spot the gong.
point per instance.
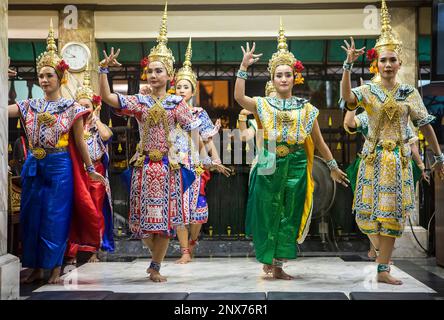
(324, 189)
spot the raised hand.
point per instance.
(249, 56)
(352, 53)
(111, 59)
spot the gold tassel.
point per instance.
(9, 148)
(110, 124)
(119, 148)
(329, 121)
(339, 146)
(18, 124)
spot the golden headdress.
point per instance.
(269, 88)
(388, 40)
(282, 56)
(50, 57)
(161, 52)
(86, 91)
(186, 73)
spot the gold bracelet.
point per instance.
(242, 117)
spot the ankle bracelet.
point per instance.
(383, 268)
(185, 250)
(155, 266)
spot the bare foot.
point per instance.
(155, 276)
(268, 268)
(36, 274)
(385, 277)
(93, 258)
(55, 276)
(278, 273)
(70, 261)
(186, 257)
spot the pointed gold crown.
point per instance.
(50, 57)
(161, 52)
(388, 40)
(186, 72)
(269, 88)
(282, 56)
(85, 91)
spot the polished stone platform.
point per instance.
(329, 277)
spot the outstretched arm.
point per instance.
(239, 88)
(105, 92)
(336, 174)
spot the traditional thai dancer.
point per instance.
(384, 193)
(156, 196)
(359, 124)
(54, 126)
(281, 185)
(92, 221)
(195, 212)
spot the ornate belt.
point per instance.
(388, 145)
(282, 150)
(155, 155)
(40, 153)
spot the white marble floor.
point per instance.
(324, 274)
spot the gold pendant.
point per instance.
(46, 118)
(390, 108)
(286, 116)
(155, 114)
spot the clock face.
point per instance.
(76, 56)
